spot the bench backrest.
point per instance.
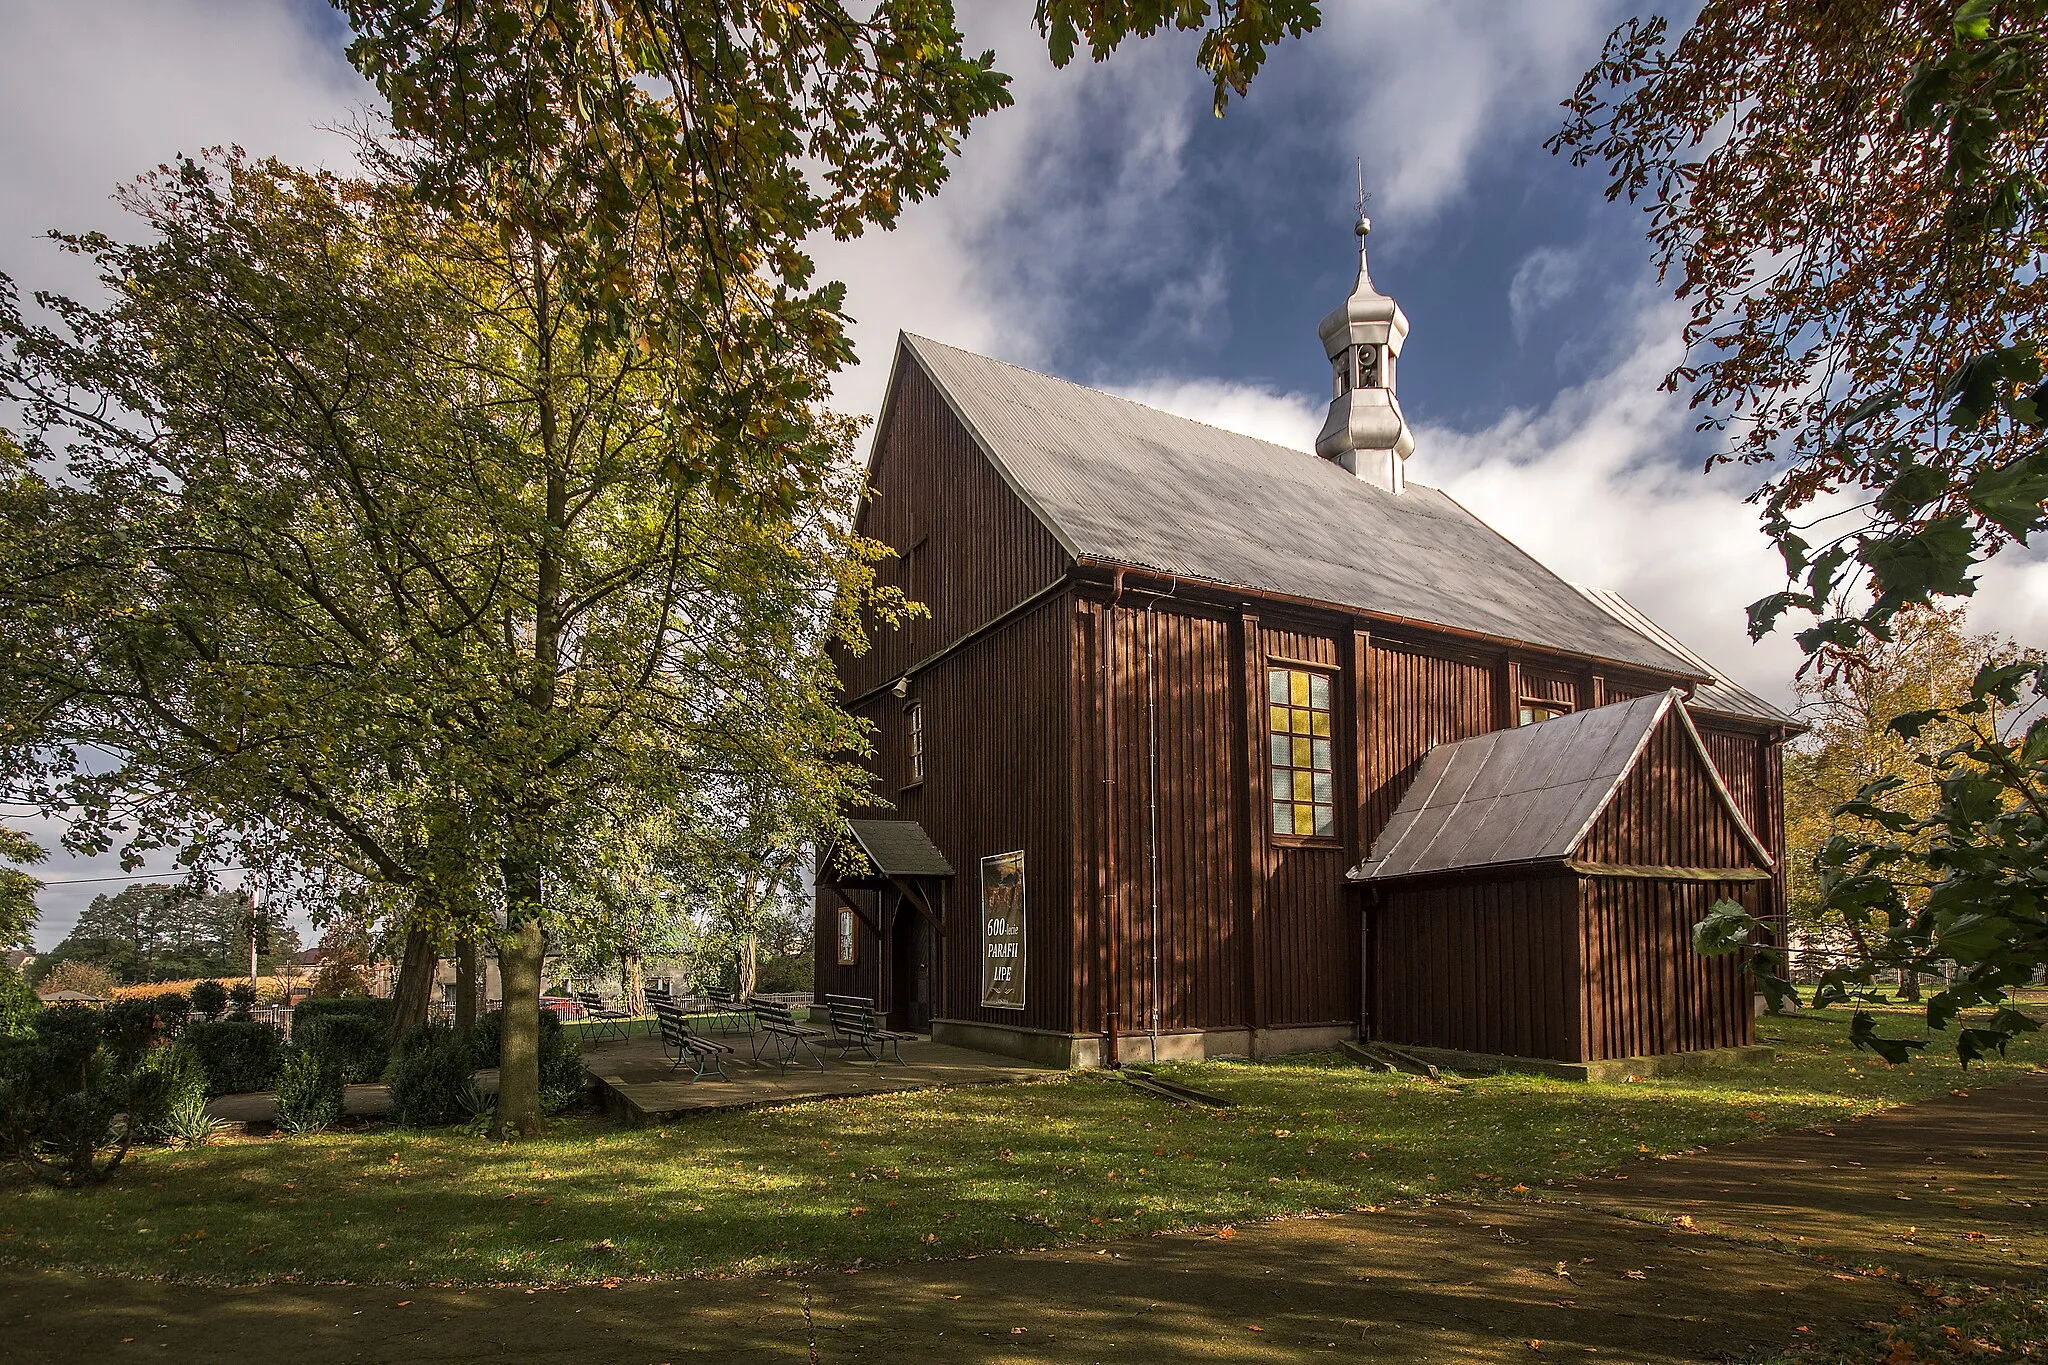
(673, 1027)
(854, 1017)
(774, 1012)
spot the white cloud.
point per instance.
(1544, 279)
(1286, 419)
(1438, 88)
(95, 92)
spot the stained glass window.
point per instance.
(1303, 769)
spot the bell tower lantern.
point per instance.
(1365, 432)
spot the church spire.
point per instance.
(1365, 432)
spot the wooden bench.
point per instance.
(723, 1004)
(703, 1054)
(854, 1025)
(606, 1017)
(779, 1026)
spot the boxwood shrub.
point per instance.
(238, 1054)
(430, 1078)
(308, 1091)
(355, 1045)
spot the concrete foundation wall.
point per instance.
(1072, 1050)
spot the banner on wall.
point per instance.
(1002, 931)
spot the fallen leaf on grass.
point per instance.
(1634, 1275)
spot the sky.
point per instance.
(1110, 230)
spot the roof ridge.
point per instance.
(1149, 407)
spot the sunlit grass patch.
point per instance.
(922, 1174)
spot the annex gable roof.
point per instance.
(1528, 795)
(1120, 483)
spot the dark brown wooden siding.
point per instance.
(1487, 965)
(864, 977)
(1645, 990)
(1172, 738)
(982, 551)
(1544, 685)
(1751, 762)
(997, 779)
(1667, 812)
(1416, 700)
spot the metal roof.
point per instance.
(1120, 483)
(899, 848)
(1723, 695)
(1526, 795)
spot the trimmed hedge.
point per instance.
(182, 1085)
(356, 1045)
(328, 1006)
(238, 1054)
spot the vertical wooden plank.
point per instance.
(1253, 805)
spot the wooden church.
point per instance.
(1213, 747)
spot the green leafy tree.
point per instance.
(440, 592)
(1850, 195)
(160, 931)
(18, 889)
(1930, 662)
(87, 978)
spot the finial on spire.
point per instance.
(1364, 224)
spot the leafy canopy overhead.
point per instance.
(1852, 195)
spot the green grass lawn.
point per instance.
(924, 1174)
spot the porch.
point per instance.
(638, 1086)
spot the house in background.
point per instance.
(1177, 683)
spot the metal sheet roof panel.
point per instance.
(1122, 483)
(1514, 796)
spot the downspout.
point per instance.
(1105, 651)
(1152, 806)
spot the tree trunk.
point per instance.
(1909, 984)
(519, 964)
(633, 983)
(520, 958)
(750, 961)
(465, 985)
(415, 983)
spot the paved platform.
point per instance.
(639, 1086)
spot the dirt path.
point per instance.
(1448, 1283)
